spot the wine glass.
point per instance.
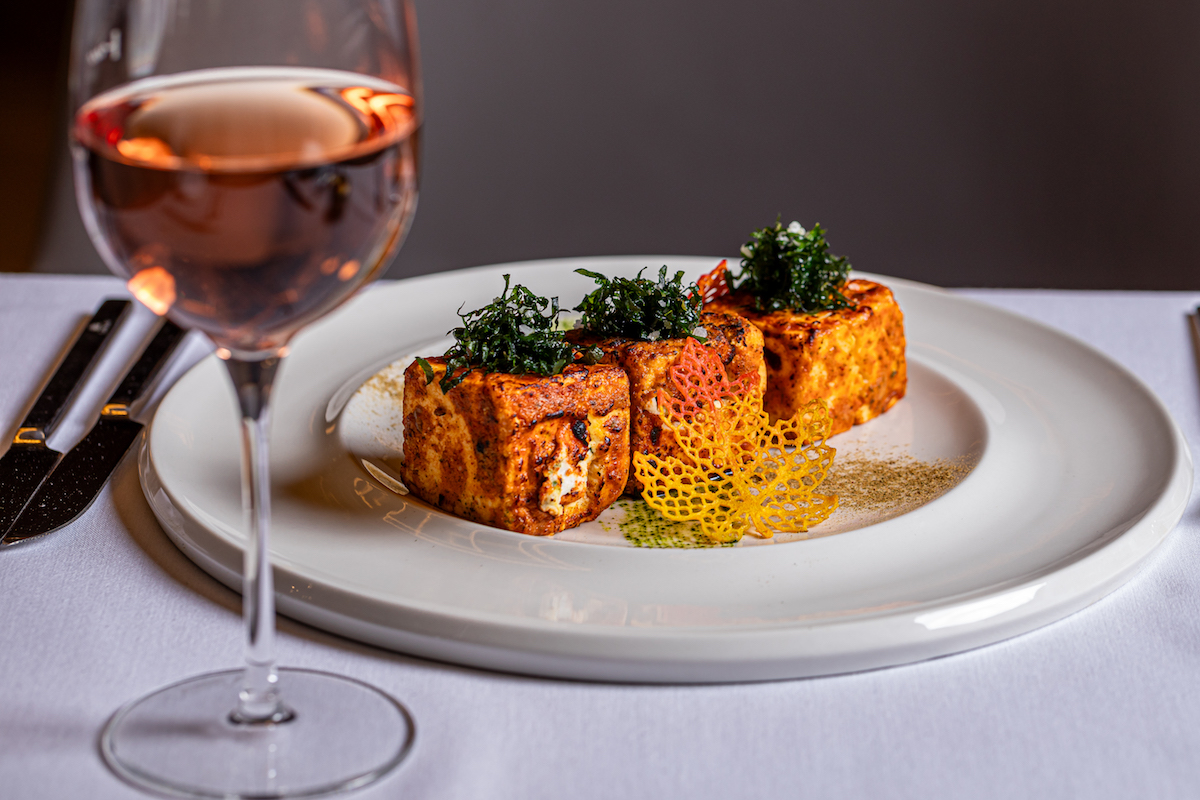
(248, 165)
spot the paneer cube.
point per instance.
(853, 358)
(738, 343)
(526, 453)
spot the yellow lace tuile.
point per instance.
(738, 473)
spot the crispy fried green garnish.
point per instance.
(517, 333)
(639, 308)
(791, 268)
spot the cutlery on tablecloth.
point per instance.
(29, 460)
(74, 484)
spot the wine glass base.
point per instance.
(181, 741)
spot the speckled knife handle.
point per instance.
(145, 369)
(48, 409)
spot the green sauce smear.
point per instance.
(642, 526)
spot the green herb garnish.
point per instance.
(516, 333)
(640, 308)
(427, 368)
(791, 268)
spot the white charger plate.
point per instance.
(1080, 474)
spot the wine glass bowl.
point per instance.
(247, 202)
(247, 167)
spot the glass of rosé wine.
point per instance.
(247, 165)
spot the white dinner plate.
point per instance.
(1078, 473)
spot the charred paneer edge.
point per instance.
(738, 343)
(853, 357)
(526, 453)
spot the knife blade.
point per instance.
(74, 484)
(29, 459)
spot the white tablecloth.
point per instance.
(1105, 703)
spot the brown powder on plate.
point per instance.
(892, 483)
(386, 384)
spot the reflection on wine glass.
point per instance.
(247, 167)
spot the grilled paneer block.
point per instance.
(522, 452)
(739, 344)
(853, 358)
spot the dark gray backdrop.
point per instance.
(1015, 143)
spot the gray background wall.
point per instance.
(1015, 143)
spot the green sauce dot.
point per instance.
(642, 526)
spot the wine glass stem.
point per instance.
(259, 701)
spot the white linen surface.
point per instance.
(1103, 704)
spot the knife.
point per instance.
(74, 484)
(29, 460)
